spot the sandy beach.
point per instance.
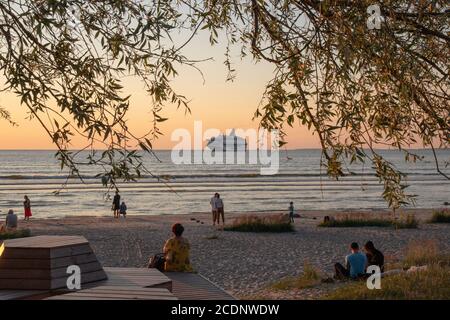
(244, 264)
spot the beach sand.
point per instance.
(241, 263)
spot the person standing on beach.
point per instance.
(212, 202)
(291, 212)
(116, 204)
(27, 208)
(220, 209)
(123, 209)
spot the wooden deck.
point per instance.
(34, 268)
(193, 286)
(117, 293)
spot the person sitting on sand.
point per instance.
(291, 212)
(374, 256)
(123, 209)
(355, 264)
(176, 251)
(11, 220)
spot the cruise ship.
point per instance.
(231, 142)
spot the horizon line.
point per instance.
(281, 149)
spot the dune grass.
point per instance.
(367, 220)
(425, 252)
(309, 278)
(440, 216)
(19, 233)
(430, 284)
(252, 223)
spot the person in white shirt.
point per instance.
(214, 208)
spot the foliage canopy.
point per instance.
(354, 87)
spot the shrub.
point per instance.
(13, 234)
(367, 220)
(252, 223)
(441, 216)
(408, 222)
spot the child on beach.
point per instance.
(291, 212)
(123, 209)
(27, 208)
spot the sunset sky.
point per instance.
(217, 103)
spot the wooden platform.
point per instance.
(117, 293)
(134, 277)
(40, 263)
(193, 286)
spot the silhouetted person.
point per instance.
(374, 256)
(291, 212)
(123, 209)
(116, 204)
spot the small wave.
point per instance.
(171, 177)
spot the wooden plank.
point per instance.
(46, 273)
(21, 253)
(143, 277)
(19, 294)
(192, 286)
(46, 284)
(45, 253)
(108, 293)
(70, 251)
(45, 242)
(46, 263)
(85, 278)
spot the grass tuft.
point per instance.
(252, 223)
(424, 252)
(366, 220)
(309, 278)
(19, 233)
(441, 216)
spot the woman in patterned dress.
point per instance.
(176, 251)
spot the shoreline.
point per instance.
(309, 213)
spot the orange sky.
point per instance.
(217, 103)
